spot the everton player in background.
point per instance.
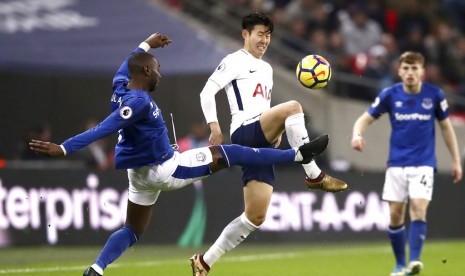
(412, 107)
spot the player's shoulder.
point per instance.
(236, 57)
(430, 88)
(390, 90)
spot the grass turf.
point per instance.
(441, 258)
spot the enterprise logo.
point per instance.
(412, 117)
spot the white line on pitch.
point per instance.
(246, 258)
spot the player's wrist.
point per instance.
(144, 46)
(357, 137)
(63, 149)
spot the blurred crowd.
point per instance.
(365, 37)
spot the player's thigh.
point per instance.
(257, 196)
(395, 187)
(192, 165)
(250, 134)
(421, 181)
(272, 120)
(140, 191)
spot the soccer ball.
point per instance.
(313, 72)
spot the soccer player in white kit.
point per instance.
(248, 82)
(413, 106)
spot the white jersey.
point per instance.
(248, 82)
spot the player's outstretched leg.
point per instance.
(323, 181)
(313, 148)
(199, 267)
(91, 272)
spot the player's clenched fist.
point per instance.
(158, 40)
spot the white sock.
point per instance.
(297, 135)
(233, 234)
(97, 269)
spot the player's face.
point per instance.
(256, 42)
(154, 75)
(411, 75)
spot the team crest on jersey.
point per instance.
(375, 103)
(125, 112)
(221, 67)
(200, 157)
(427, 103)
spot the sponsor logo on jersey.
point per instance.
(427, 103)
(252, 71)
(264, 92)
(125, 112)
(398, 104)
(412, 117)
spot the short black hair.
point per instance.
(138, 61)
(250, 20)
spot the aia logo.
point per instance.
(264, 92)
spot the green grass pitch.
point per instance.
(441, 258)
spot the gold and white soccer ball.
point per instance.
(313, 72)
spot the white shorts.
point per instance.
(402, 183)
(146, 183)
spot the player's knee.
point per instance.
(218, 162)
(294, 107)
(256, 219)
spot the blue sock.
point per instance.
(417, 236)
(397, 237)
(118, 242)
(244, 156)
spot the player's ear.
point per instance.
(245, 33)
(146, 70)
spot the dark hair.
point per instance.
(138, 61)
(412, 57)
(257, 18)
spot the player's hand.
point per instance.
(158, 40)
(216, 138)
(358, 143)
(457, 172)
(46, 148)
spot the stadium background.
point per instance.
(57, 61)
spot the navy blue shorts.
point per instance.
(251, 135)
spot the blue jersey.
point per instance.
(412, 118)
(143, 137)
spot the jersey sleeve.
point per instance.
(122, 75)
(442, 107)
(380, 105)
(130, 111)
(226, 72)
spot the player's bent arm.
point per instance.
(450, 139)
(208, 103)
(359, 128)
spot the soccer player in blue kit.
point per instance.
(144, 150)
(413, 106)
(248, 81)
